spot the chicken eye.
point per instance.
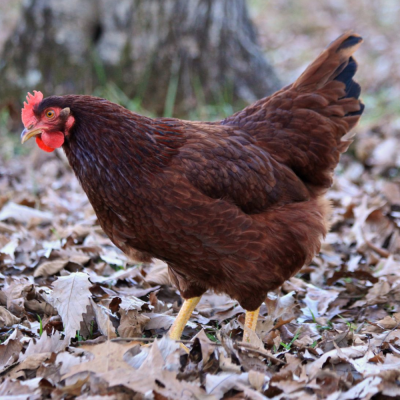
(50, 114)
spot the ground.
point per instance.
(75, 312)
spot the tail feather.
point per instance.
(336, 63)
(353, 89)
(331, 63)
(311, 118)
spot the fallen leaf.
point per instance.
(317, 301)
(334, 356)
(68, 361)
(24, 214)
(207, 346)
(6, 318)
(218, 385)
(29, 364)
(158, 321)
(152, 376)
(158, 273)
(363, 390)
(132, 323)
(108, 356)
(8, 250)
(12, 389)
(50, 268)
(70, 297)
(103, 315)
(9, 350)
(46, 344)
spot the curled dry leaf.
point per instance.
(132, 323)
(280, 311)
(159, 321)
(217, 385)
(16, 291)
(317, 301)
(7, 252)
(158, 273)
(207, 346)
(25, 215)
(6, 318)
(50, 268)
(103, 315)
(10, 349)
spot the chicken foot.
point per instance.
(251, 323)
(182, 319)
(186, 311)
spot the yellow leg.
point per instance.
(182, 318)
(250, 322)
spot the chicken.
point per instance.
(236, 206)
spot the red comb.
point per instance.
(28, 117)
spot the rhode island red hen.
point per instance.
(235, 206)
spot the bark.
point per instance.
(168, 54)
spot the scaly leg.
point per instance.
(250, 322)
(182, 318)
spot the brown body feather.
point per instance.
(236, 206)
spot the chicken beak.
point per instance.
(29, 133)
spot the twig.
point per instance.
(253, 349)
(382, 252)
(130, 339)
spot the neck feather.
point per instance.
(111, 142)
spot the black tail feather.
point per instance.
(350, 42)
(345, 75)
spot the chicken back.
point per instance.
(236, 206)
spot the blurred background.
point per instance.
(198, 59)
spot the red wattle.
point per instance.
(53, 139)
(42, 146)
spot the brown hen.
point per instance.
(235, 206)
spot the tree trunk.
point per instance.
(170, 55)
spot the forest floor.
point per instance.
(75, 312)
